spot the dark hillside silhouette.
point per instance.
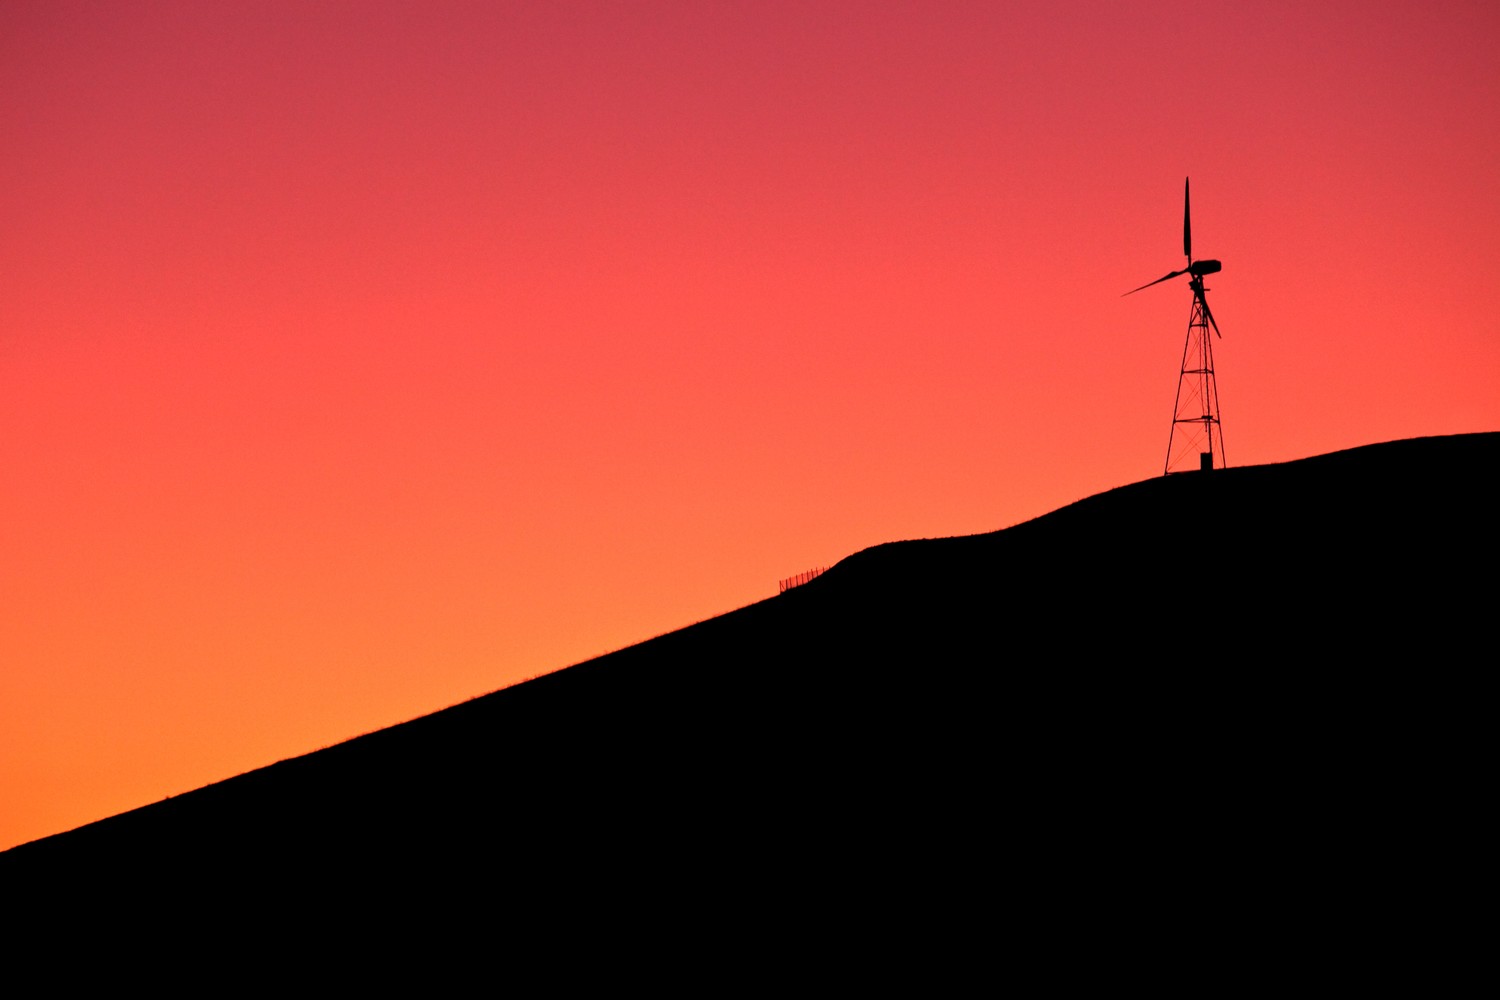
(1212, 694)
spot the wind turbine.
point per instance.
(1195, 416)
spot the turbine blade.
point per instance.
(1187, 222)
(1156, 282)
(1203, 301)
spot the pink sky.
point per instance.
(362, 358)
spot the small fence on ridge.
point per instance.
(801, 578)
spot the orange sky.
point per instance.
(359, 358)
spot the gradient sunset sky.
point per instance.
(360, 358)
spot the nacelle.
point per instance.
(1199, 268)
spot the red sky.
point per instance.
(360, 358)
